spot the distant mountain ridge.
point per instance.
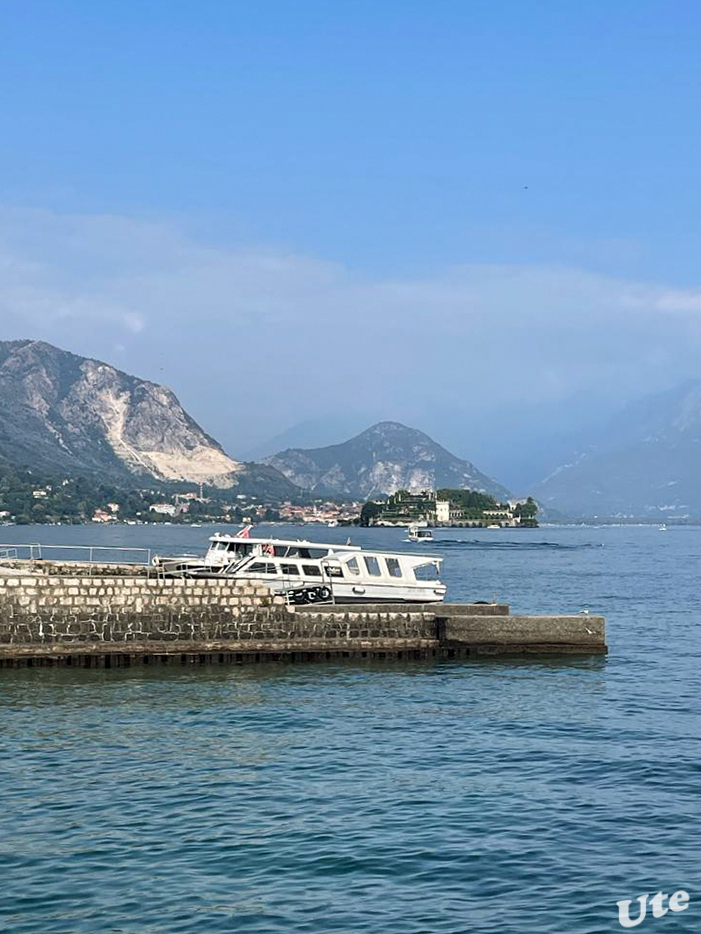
(317, 432)
(63, 412)
(645, 463)
(379, 461)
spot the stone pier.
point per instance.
(112, 616)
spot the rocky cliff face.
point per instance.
(385, 458)
(62, 411)
(646, 463)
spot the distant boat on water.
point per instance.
(419, 534)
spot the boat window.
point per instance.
(426, 572)
(333, 571)
(218, 546)
(373, 566)
(290, 569)
(239, 548)
(313, 553)
(311, 570)
(352, 565)
(262, 567)
(393, 567)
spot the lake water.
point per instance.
(419, 798)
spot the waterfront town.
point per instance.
(29, 500)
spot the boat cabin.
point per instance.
(350, 572)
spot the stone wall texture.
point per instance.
(62, 611)
(52, 616)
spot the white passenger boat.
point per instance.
(321, 572)
(419, 534)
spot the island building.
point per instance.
(446, 508)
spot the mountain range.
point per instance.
(62, 412)
(645, 463)
(384, 458)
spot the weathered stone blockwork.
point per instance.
(112, 620)
(44, 609)
(108, 614)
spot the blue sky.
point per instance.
(501, 194)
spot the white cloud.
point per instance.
(256, 339)
(680, 301)
(133, 322)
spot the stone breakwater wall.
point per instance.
(61, 616)
(120, 619)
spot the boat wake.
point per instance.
(540, 546)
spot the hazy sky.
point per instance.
(480, 218)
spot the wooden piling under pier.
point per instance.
(117, 619)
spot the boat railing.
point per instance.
(94, 556)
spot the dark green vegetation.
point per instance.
(464, 507)
(371, 511)
(527, 512)
(28, 497)
(471, 502)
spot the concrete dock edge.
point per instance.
(50, 616)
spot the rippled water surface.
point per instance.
(496, 796)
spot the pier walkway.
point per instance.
(63, 613)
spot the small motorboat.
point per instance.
(419, 534)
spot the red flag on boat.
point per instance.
(244, 532)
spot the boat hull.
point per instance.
(344, 592)
(393, 599)
(344, 573)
